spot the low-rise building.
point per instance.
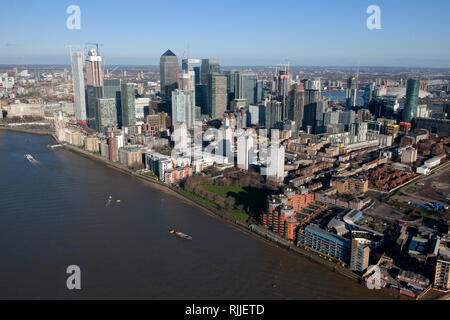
(326, 243)
(351, 185)
(131, 156)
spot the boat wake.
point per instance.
(109, 201)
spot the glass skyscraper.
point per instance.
(78, 87)
(128, 104)
(209, 66)
(216, 95)
(112, 90)
(412, 100)
(168, 72)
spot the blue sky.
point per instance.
(238, 32)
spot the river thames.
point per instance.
(54, 214)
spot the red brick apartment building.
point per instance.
(282, 209)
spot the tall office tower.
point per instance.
(168, 73)
(232, 78)
(106, 114)
(296, 105)
(274, 114)
(193, 65)
(412, 100)
(352, 92)
(201, 98)
(368, 94)
(78, 87)
(216, 95)
(247, 88)
(246, 151)
(314, 116)
(112, 90)
(94, 72)
(186, 80)
(359, 260)
(183, 107)
(209, 66)
(92, 94)
(283, 83)
(128, 104)
(314, 107)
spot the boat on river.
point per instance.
(181, 235)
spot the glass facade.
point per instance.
(128, 104)
(412, 100)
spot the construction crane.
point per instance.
(96, 45)
(426, 86)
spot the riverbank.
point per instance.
(255, 230)
(28, 131)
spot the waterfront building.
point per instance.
(78, 87)
(94, 73)
(281, 212)
(112, 90)
(106, 114)
(412, 100)
(104, 149)
(168, 73)
(359, 256)
(131, 156)
(116, 140)
(93, 93)
(326, 243)
(128, 104)
(216, 103)
(176, 175)
(92, 144)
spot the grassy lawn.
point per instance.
(224, 191)
(253, 200)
